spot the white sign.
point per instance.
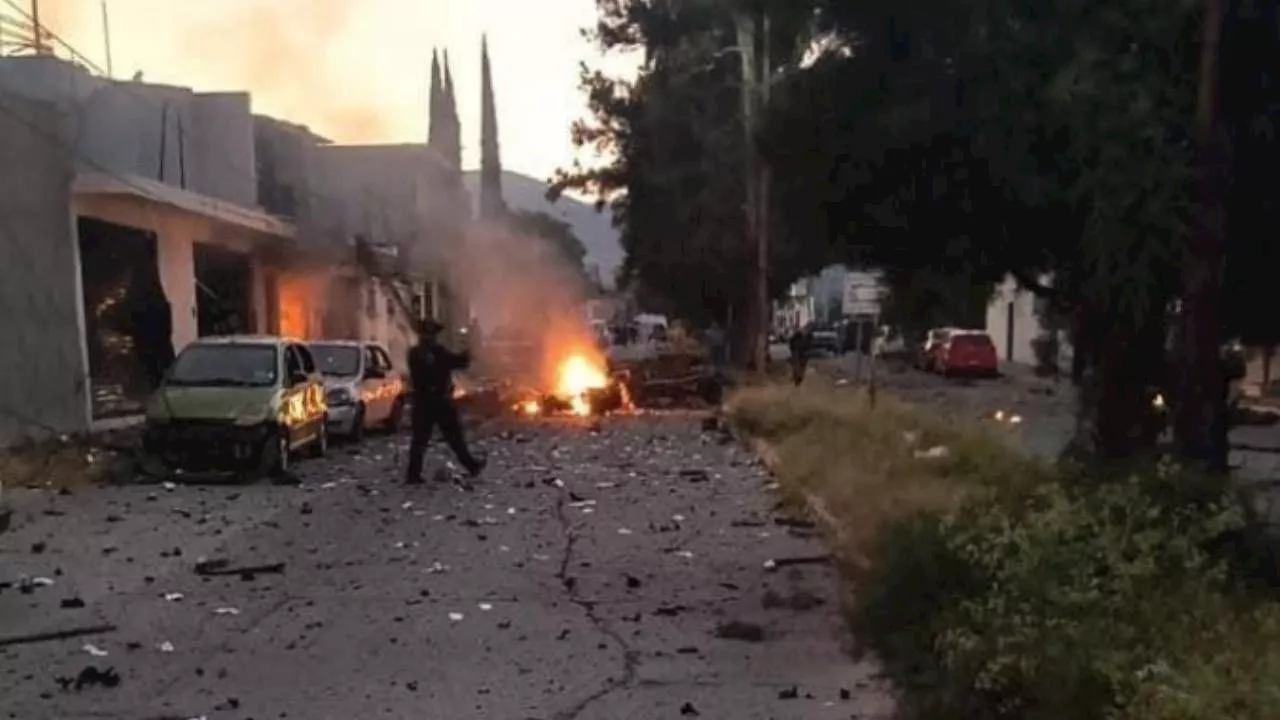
(862, 294)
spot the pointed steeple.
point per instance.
(491, 203)
(435, 104)
(452, 142)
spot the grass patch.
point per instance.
(995, 586)
(871, 466)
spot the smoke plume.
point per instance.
(291, 54)
(521, 285)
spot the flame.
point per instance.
(578, 376)
(530, 407)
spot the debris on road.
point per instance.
(794, 561)
(742, 631)
(214, 568)
(89, 677)
(56, 635)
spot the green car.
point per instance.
(243, 403)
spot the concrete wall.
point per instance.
(396, 194)
(133, 128)
(221, 148)
(286, 156)
(1025, 327)
(43, 371)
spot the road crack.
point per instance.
(630, 657)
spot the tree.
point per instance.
(558, 234)
(676, 183)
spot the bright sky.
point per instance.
(358, 70)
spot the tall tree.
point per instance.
(492, 204)
(677, 182)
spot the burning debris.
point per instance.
(583, 387)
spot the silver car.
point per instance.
(362, 388)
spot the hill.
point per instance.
(594, 229)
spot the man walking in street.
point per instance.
(431, 368)
(801, 344)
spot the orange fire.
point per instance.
(577, 376)
(530, 407)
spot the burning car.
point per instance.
(583, 385)
(362, 388)
(238, 403)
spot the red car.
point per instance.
(968, 353)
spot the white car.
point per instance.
(362, 388)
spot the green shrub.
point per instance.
(1069, 602)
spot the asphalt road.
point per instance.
(607, 574)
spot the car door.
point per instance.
(293, 401)
(393, 383)
(371, 386)
(312, 395)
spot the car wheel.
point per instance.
(320, 446)
(276, 456)
(396, 418)
(357, 425)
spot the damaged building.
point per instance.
(118, 198)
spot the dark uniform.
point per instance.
(431, 367)
(801, 344)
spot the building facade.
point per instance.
(116, 196)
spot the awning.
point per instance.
(98, 183)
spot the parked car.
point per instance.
(968, 352)
(927, 352)
(246, 403)
(362, 388)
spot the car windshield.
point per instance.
(225, 365)
(336, 360)
(972, 341)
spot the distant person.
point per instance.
(716, 344)
(431, 368)
(801, 345)
(151, 326)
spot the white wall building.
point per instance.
(1014, 325)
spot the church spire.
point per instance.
(451, 144)
(435, 104)
(491, 202)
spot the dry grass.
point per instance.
(55, 465)
(859, 467)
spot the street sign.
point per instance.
(862, 294)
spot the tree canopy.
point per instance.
(952, 145)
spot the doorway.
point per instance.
(128, 320)
(224, 291)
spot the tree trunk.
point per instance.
(1115, 420)
(1201, 402)
(1268, 353)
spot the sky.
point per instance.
(358, 70)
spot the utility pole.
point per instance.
(753, 41)
(37, 29)
(106, 39)
(1199, 415)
